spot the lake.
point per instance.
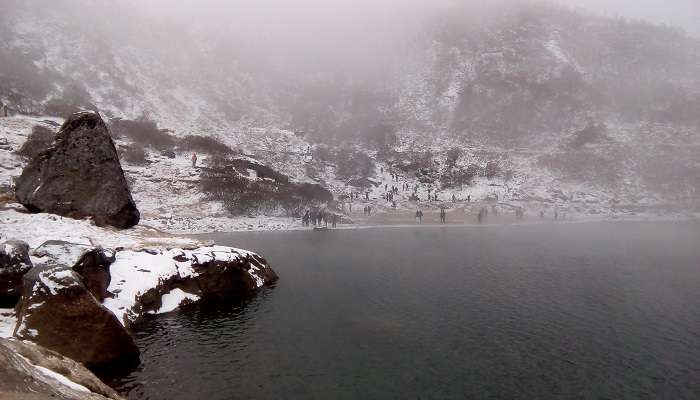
(547, 311)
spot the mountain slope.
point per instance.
(567, 105)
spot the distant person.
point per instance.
(436, 198)
(443, 215)
(334, 219)
(367, 196)
(469, 198)
(482, 214)
(419, 216)
(305, 219)
(454, 198)
(194, 160)
(369, 210)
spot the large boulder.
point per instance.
(14, 263)
(79, 176)
(58, 312)
(30, 372)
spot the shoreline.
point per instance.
(526, 222)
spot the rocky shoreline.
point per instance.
(67, 305)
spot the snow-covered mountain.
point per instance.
(567, 105)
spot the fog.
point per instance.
(372, 19)
(362, 36)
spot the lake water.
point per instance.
(569, 311)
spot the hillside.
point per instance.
(544, 107)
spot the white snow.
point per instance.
(135, 272)
(52, 280)
(61, 379)
(172, 300)
(8, 321)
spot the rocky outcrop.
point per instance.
(156, 281)
(79, 176)
(223, 273)
(14, 263)
(57, 311)
(31, 372)
(91, 263)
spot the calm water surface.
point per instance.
(580, 311)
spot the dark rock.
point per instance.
(93, 268)
(58, 312)
(79, 176)
(227, 277)
(168, 153)
(30, 371)
(14, 263)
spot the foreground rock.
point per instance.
(57, 311)
(14, 263)
(158, 281)
(79, 176)
(29, 372)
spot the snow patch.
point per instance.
(8, 321)
(62, 379)
(172, 300)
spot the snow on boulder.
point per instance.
(33, 372)
(156, 281)
(58, 312)
(91, 263)
(79, 176)
(14, 263)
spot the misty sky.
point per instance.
(683, 13)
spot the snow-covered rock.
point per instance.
(156, 281)
(90, 262)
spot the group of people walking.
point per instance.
(318, 218)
